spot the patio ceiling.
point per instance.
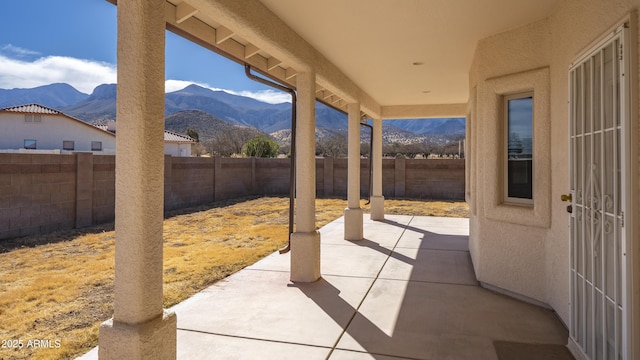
(409, 51)
(386, 54)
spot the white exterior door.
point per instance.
(599, 122)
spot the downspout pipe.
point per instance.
(292, 173)
(370, 160)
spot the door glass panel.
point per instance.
(579, 239)
(586, 93)
(579, 311)
(588, 341)
(579, 158)
(578, 101)
(589, 248)
(616, 82)
(608, 172)
(611, 328)
(597, 94)
(608, 86)
(598, 330)
(618, 266)
(619, 332)
(572, 81)
(597, 255)
(610, 257)
(618, 173)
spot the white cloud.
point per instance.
(83, 75)
(10, 48)
(268, 96)
(175, 85)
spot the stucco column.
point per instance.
(305, 241)
(377, 200)
(353, 212)
(140, 328)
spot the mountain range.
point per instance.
(100, 106)
(53, 96)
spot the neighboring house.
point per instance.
(174, 144)
(177, 144)
(37, 128)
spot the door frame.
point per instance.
(630, 197)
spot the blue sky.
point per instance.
(74, 41)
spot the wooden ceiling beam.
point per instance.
(250, 50)
(223, 34)
(184, 11)
(290, 73)
(272, 62)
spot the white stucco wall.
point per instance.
(50, 133)
(512, 251)
(177, 149)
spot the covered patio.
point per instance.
(406, 291)
(382, 60)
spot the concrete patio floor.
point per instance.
(408, 291)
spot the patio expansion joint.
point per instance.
(252, 338)
(357, 309)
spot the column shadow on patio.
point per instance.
(407, 291)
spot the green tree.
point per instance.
(193, 133)
(230, 141)
(261, 147)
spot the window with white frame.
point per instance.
(30, 144)
(496, 96)
(96, 146)
(518, 174)
(68, 145)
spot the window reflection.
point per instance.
(520, 147)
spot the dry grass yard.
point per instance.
(59, 287)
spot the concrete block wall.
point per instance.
(84, 189)
(271, 176)
(340, 181)
(401, 178)
(188, 181)
(389, 178)
(37, 193)
(104, 189)
(234, 178)
(42, 193)
(438, 179)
